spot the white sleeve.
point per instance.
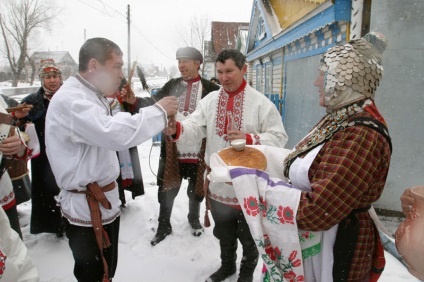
(271, 129)
(193, 129)
(90, 125)
(18, 266)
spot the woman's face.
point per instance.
(319, 82)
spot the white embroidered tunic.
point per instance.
(81, 143)
(253, 113)
(7, 196)
(187, 103)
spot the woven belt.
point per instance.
(95, 196)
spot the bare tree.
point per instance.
(195, 35)
(32, 64)
(19, 20)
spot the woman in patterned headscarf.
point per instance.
(343, 164)
(45, 214)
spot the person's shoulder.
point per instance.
(34, 97)
(172, 81)
(252, 91)
(258, 96)
(70, 91)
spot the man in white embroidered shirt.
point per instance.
(81, 142)
(236, 111)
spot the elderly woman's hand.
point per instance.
(407, 201)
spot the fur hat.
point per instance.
(48, 66)
(189, 53)
(354, 69)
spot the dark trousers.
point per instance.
(230, 225)
(187, 171)
(88, 263)
(12, 214)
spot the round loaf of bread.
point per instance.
(249, 157)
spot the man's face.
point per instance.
(188, 68)
(109, 75)
(51, 81)
(230, 76)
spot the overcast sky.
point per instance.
(155, 24)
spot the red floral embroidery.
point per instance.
(286, 215)
(297, 263)
(293, 255)
(273, 253)
(291, 277)
(292, 258)
(251, 205)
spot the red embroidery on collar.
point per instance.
(187, 103)
(235, 105)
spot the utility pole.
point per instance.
(129, 39)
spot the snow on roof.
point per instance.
(57, 56)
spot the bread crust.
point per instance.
(249, 157)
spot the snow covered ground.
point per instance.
(179, 258)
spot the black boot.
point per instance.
(248, 263)
(164, 226)
(228, 263)
(193, 217)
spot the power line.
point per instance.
(124, 19)
(116, 11)
(150, 42)
(104, 10)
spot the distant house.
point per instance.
(63, 60)
(224, 35)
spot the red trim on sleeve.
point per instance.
(249, 139)
(176, 136)
(10, 205)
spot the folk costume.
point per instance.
(178, 161)
(7, 195)
(255, 115)
(45, 211)
(341, 168)
(81, 141)
(22, 182)
(348, 173)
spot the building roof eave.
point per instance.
(325, 15)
